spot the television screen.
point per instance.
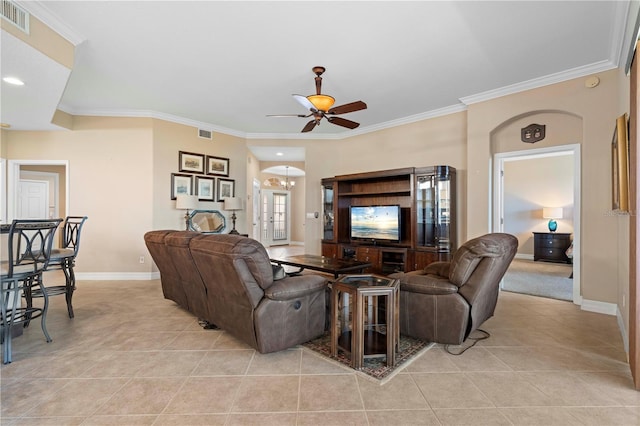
(375, 222)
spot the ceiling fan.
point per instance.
(321, 106)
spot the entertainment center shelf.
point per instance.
(410, 220)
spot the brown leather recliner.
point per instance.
(228, 281)
(446, 301)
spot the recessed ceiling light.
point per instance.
(279, 154)
(13, 80)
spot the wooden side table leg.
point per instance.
(335, 325)
(391, 331)
(357, 342)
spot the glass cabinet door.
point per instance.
(328, 218)
(434, 208)
(425, 209)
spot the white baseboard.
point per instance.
(524, 256)
(599, 307)
(623, 332)
(117, 276)
(296, 243)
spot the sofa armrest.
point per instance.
(427, 284)
(293, 287)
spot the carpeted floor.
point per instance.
(542, 279)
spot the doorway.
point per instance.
(57, 170)
(500, 200)
(276, 214)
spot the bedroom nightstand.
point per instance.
(551, 246)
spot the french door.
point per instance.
(276, 212)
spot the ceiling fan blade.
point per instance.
(310, 125)
(343, 122)
(288, 115)
(305, 102)
(351, 107)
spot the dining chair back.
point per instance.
(28, 251)
(64, 258)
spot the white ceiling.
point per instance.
(225, 65)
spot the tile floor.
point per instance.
(131, 357)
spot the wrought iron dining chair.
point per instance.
(29, 251)
(64, 258)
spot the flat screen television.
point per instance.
(375, 223)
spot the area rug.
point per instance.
(373, 368)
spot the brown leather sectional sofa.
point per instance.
(228, 280)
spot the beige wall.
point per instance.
(44, 39)
(120, 171)
(440, 140)
(110, 181)
(171, 138)
(530, 185)
(598, 108)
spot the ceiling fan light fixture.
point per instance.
(321, 102)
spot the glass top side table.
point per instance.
(364, 317)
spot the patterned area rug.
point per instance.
(374, 368)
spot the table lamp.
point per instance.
(186, 202)
(552, 213)
(233, 204)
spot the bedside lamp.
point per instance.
(233, 204)
(186, 202)
(552, 213)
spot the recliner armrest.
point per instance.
(293, 287)
(427, 284)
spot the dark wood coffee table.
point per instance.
(329, 265)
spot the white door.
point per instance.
(256, 210)
(33, 199)
(276, 212)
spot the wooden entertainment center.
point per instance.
(426, 198)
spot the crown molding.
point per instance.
(452, 109)
(362, 130)
(50, 19)
(137, 113)
(540, 82)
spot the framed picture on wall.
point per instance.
(190, 162)
(226, 189)
(181, 184)
(217, 166)
(620, 166)
(205, 188)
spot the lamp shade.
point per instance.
(321, 102)
(552, 212)
(186, 202)
(232, 203)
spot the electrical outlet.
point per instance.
(141, 259)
